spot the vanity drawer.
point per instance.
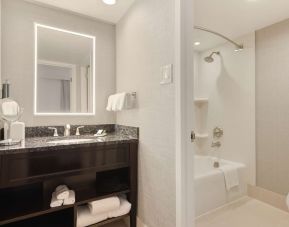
(19, 168)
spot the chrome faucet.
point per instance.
(67, 130)
(55, 134)
(77, 130)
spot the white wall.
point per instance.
(229, 83)
(145, 42)
(18, 57)
(272, 51)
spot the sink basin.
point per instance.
(68, 141)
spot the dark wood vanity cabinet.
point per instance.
(93, 172)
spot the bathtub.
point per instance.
(210, 190)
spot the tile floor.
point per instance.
(246, 212)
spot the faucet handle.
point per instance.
(55, 134)
(77, 130)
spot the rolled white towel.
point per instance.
(85, 218)
(71, 198)
(55, 202)
(104, 205)
(124, 209)
(62, 192)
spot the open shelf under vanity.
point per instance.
(28, 202)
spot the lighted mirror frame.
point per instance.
(36, 26)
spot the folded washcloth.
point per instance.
(62, 192)
(71, 198)
(55, 202)
(85, 218)
(124, 209)
(104, 205)
(231, 176)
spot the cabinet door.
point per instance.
(33, 166)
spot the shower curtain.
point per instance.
(65, 96)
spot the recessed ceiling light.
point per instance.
(109, 2)
(197, 43)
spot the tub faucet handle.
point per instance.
(218, 132)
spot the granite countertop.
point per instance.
(36, 144)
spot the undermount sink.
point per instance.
(67, 141)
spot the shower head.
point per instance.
(210, 58)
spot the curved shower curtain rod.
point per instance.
(238, 46)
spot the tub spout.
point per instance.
(216, 144)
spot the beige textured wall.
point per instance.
(229, 83)
(18, 57)
(272, 117)
(145, 42)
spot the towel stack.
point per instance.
(62, 196)
(120, 101)
(100, 210)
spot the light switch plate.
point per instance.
(167, 74)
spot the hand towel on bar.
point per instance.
(110, 101)
(124, 209)
(62, 192)
(71, 198)
(231, 176)
(119, 102)
(54, 201)
(104, 205)
(85, 218)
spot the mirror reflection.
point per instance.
(65, 73)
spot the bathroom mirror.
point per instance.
(64, 72)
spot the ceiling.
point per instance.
(235, 18)
(92, 8)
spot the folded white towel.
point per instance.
(124, 209)
(85, 218)
(120, 101)
(62, 192)
(55, 202)
(231, 176)
(71, 198)
(104, 205)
